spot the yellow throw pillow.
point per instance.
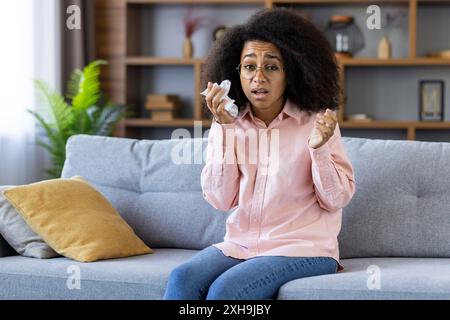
(75, 220)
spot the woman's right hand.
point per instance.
(216, 104)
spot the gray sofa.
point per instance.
(394, 242)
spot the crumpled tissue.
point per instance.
(230, 107)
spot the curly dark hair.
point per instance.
(312, 72)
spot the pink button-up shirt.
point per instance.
(289, 197)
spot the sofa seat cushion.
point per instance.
(399, 278)
(138, 277)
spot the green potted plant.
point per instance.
(84, 111)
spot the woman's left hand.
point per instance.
(323, 129)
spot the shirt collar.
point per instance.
(292, 110)
(289, 109)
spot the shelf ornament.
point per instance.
(191, 25)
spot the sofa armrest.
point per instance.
(5, 248)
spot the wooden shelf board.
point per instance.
(339, 2)
(395, 124)
(363, 62)
(150, 61)
(433, 125)
(196, 1)
(404, 62)
(143, 122)
(433, 2)
(333, 2)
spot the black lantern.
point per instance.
(344, 36)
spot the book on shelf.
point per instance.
(162, 105)
(163, 115)
(439, 54)
(162, 97)
(360, 117)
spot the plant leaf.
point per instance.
(60, 110)
(89, 113)
(107, 119)
(88, 86)
(73, 84)
(55, 138)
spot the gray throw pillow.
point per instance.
(19, 235)
(5, 248)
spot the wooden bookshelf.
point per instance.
(406, 62)
(118, 36)
(410, 126)
(338, 2)
(363, 62)
(195, 1)
(152, 61)
(142, 123)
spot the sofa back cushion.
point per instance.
(401, 206)
(159, 197)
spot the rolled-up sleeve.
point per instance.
(332, 174)
(220, 175)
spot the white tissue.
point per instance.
(230, 107)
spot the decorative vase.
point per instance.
(384, 48)
(188, 48)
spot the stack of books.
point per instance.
(359, 117)
(440, 54)
(163, 106)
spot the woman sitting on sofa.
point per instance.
(289, 202)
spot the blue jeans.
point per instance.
(211, 275)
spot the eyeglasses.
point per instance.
(248, 70)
